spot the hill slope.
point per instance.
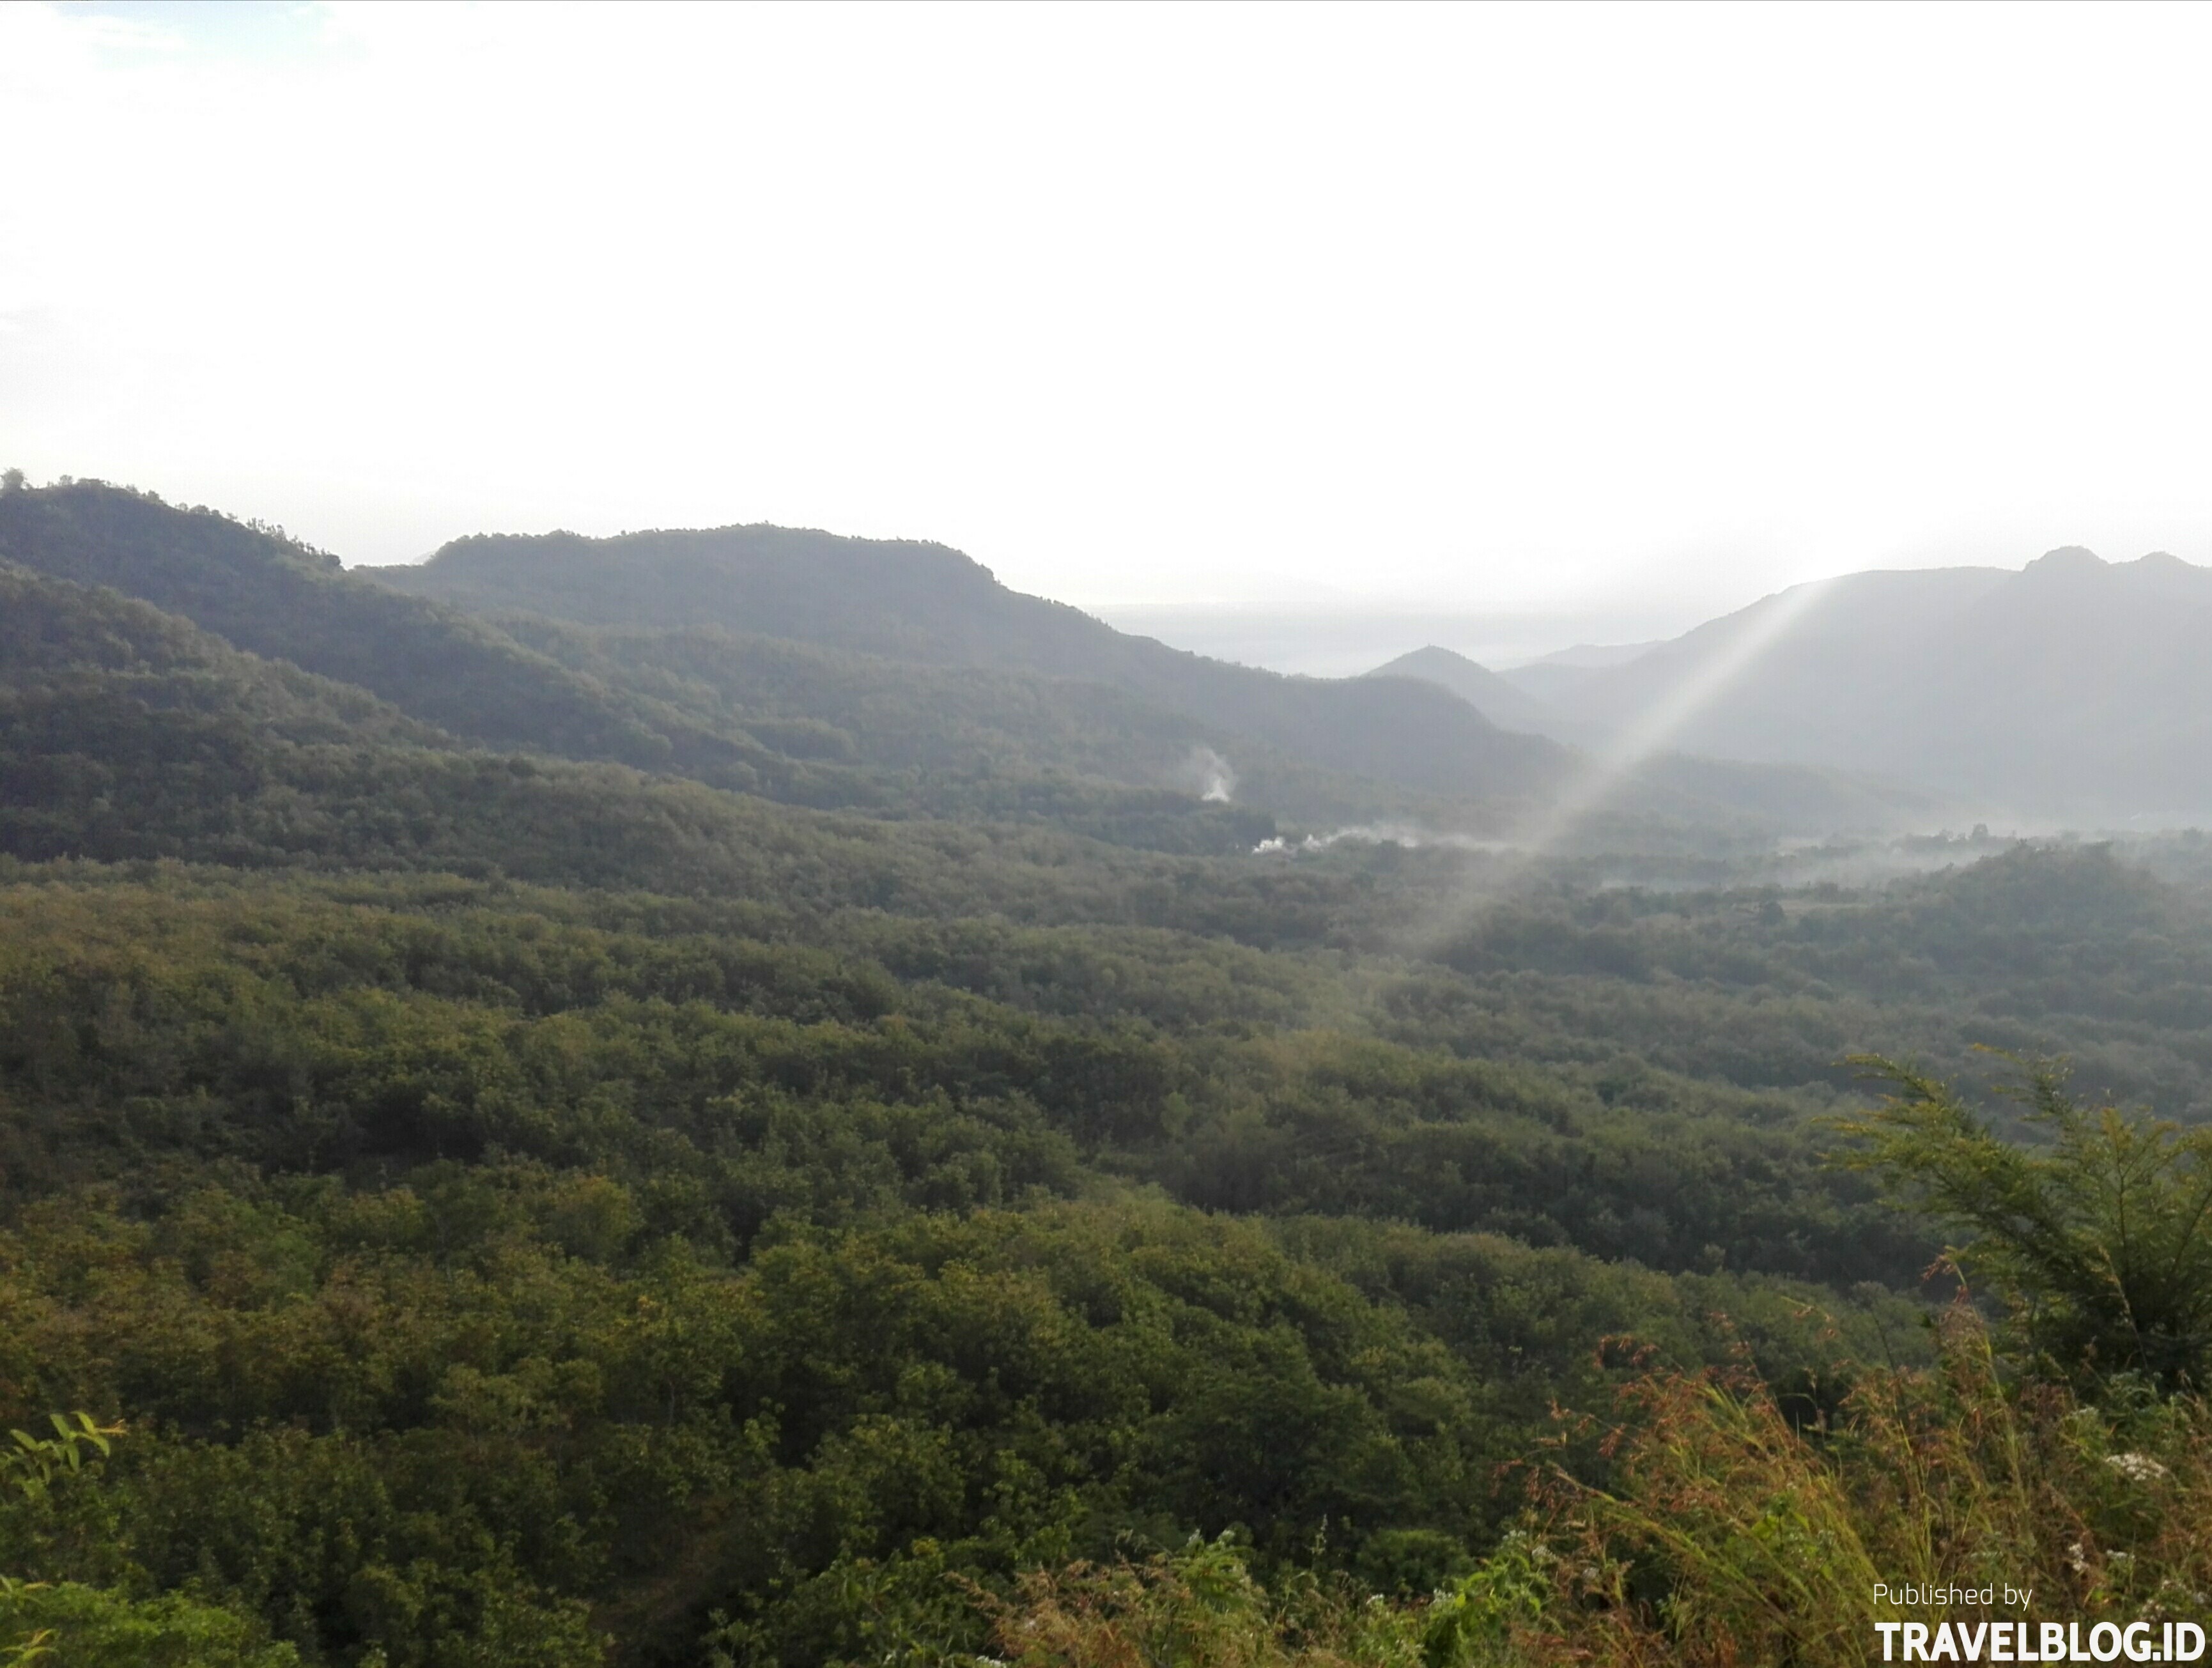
(685, 705)
(1505, 704)
(128, 733)
(784, 719)
(272, 596)
(1105, 735)
(928, 603)
(2074, 689)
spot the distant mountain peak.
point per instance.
(2067, 559)
(2074, 689)
(1497, 700)
(1583, 655)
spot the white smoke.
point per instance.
(1382, 833)
(1208, 774)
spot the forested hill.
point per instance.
(267, 594)
(902, 598)
(929, 604)
(548, 1144)
(1104, 734)
(713, 706)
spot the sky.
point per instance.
(1576, 313)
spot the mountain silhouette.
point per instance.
(2074, 689)
(926, 604)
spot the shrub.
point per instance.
(2101, 1239)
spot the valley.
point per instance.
(602, 1101)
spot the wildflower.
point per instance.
(2136, 1467)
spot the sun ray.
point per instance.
(1763, 628)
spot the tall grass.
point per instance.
(1199, 1608)
(1731, 1535)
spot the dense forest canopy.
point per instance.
(643, 1102)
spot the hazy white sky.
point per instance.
(1488, 307)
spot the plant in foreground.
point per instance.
(2100, 1239)
(1731, 1536)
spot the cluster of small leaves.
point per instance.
(31, 1464)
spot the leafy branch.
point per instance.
(2100, 1234)
(33, 1464)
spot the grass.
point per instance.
(1728, 1534)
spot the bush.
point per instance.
(2101, 1239)
(82, 1627)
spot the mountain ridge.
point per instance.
(462, 673)
(2071, 687)
(1498, 699)
(863, 594)
(1106, 734)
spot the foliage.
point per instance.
(72, 1626)
(390, 1417)
(32, 1463)
(2102, 1240)
(319, 1027)
(1200, 1606)
(823, 1158)
(1733, 1534)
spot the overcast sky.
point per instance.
(1486, 308)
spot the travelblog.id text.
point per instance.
(2024, 1640)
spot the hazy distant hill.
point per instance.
(791, 720)
(1584, 655)
(2075, 688)
(272, 596)
(1548, 676)
(1505, 704)
(128, 733)
(925, 603)
(901, 680)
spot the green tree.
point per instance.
(68, 1625)
(2100, 1237)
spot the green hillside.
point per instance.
(130, 733)
(502, 1204)
(1071, 725)
(756, 715)
(928, 603)
(269, 595)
